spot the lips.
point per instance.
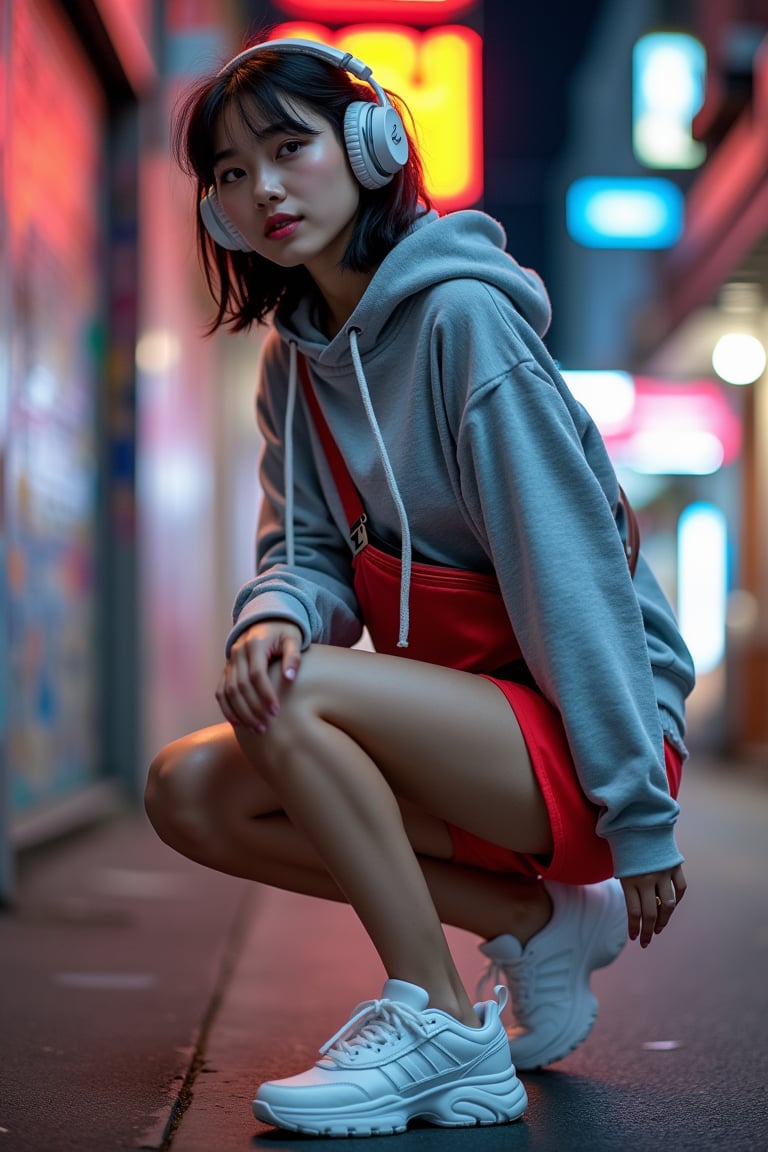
(280, 225)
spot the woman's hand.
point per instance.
(245, 692)
(651, 899)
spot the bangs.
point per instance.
(264, 109)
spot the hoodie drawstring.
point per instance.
(290, 549)
(405, 531)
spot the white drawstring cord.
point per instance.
(405, 532)
(290, 553)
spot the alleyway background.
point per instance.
(143, 1000)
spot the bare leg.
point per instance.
(206, 802)
(356, 731)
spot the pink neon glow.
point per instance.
(415, 11)
(686, 408)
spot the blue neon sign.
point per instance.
(624, 212)
(668, 79)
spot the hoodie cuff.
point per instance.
(267, 606)
(637, 851)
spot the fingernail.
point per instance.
(290, 673)
(260, 728)
(274, 709)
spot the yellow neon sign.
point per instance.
(439, 75)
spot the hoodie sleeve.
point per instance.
(551, 534)
(315, 592)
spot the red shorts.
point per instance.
(579, 855)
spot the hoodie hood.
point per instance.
(460, 246)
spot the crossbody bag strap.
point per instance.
(345, 486)
(632, 542)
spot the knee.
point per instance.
(290, 740)
(293, 726)
(174, 795)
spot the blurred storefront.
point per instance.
(70, 78)
(689, 434)
(119, 423)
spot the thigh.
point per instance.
(204, 779)
(447, 741)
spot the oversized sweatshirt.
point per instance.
(469, 451)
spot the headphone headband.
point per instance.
(344, 60)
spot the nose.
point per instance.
(267, 187)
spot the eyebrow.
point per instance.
(223, 154)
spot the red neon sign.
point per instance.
(414, 11)
(438, 73)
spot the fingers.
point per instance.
(291, 657)
(651, 901)
(246, 692)
(669, 892)
(634, 903)
(678, 882)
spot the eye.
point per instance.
(229, 175)
(290, 147)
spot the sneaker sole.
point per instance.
(613, 910)
(494, 1100)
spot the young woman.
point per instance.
(515, 741)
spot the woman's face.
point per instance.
(291, 194)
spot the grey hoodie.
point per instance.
(467, 447)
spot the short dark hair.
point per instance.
(247, 287)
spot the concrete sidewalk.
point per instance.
(111, 968)
(143, 999)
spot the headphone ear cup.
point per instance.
(218, 225)
(377, 145)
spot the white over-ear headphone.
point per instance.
(375, 139)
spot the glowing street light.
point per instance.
(739, 358)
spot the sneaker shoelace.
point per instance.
(375, 1024)
(516, 976)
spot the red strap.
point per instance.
(632, 542)
(350, 499)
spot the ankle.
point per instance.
(529, 909)
(452, 999)
(461, 1011)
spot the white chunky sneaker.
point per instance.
(397, 1060)
(548, 979)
